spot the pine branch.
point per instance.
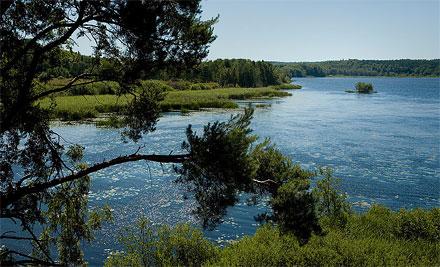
(13, 195)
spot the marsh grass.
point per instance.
(89, 106)
(286, 86)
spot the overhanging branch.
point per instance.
(65, 87)
(12, 196)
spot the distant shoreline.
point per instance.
(347, 76)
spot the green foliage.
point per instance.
(417, 224)
(187, 85)
(83, 107)
(229, 73)
(69, 221)
(180, 84)
(88, 88)
(96, 88)
(156, 85)
(293, 205)
(332, 207)
(211, 173)
(75, 152)
(354, 67)
(112, 121)
(141, 114)
(364, 88)
(40, 187)
(204, 86)
(286, 86)
(293, 209)
(268, 247)
(146, 245)
(366, 240)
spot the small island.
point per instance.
(362, 88)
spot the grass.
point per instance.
(286, 86)
(89, 106)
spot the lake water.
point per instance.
(385, 147)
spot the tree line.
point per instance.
(235, 72)
(225, 72)
(354, 67)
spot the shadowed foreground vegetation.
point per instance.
(89, 106)
(380, 237)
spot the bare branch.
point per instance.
(15, 237)
(32, 260)
(267, 182)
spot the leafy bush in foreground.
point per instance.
(379, 237)
(146, 245)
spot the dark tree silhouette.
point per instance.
(44, 184)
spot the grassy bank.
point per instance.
(89, 106)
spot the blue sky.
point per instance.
(317, 30)
(324, 30)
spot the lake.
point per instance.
(385, 147)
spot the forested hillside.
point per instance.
(354, 67)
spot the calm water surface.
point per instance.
(384, 146)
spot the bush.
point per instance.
(380, 237)
(146, 245)
(418, 224)
(268, 247)
(364, 88)
(369, 239)
(331, 204)
(204, 86)
(97, 88)
(160, 85)
(180, 85)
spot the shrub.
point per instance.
(180, 85)
(364, 88)
(160, 85)
(268, 247)
(97, 88)
(146, 245)
(418, 224)
(204, 86)
(331, 204)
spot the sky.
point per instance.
(318, 30)
(315, 30)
